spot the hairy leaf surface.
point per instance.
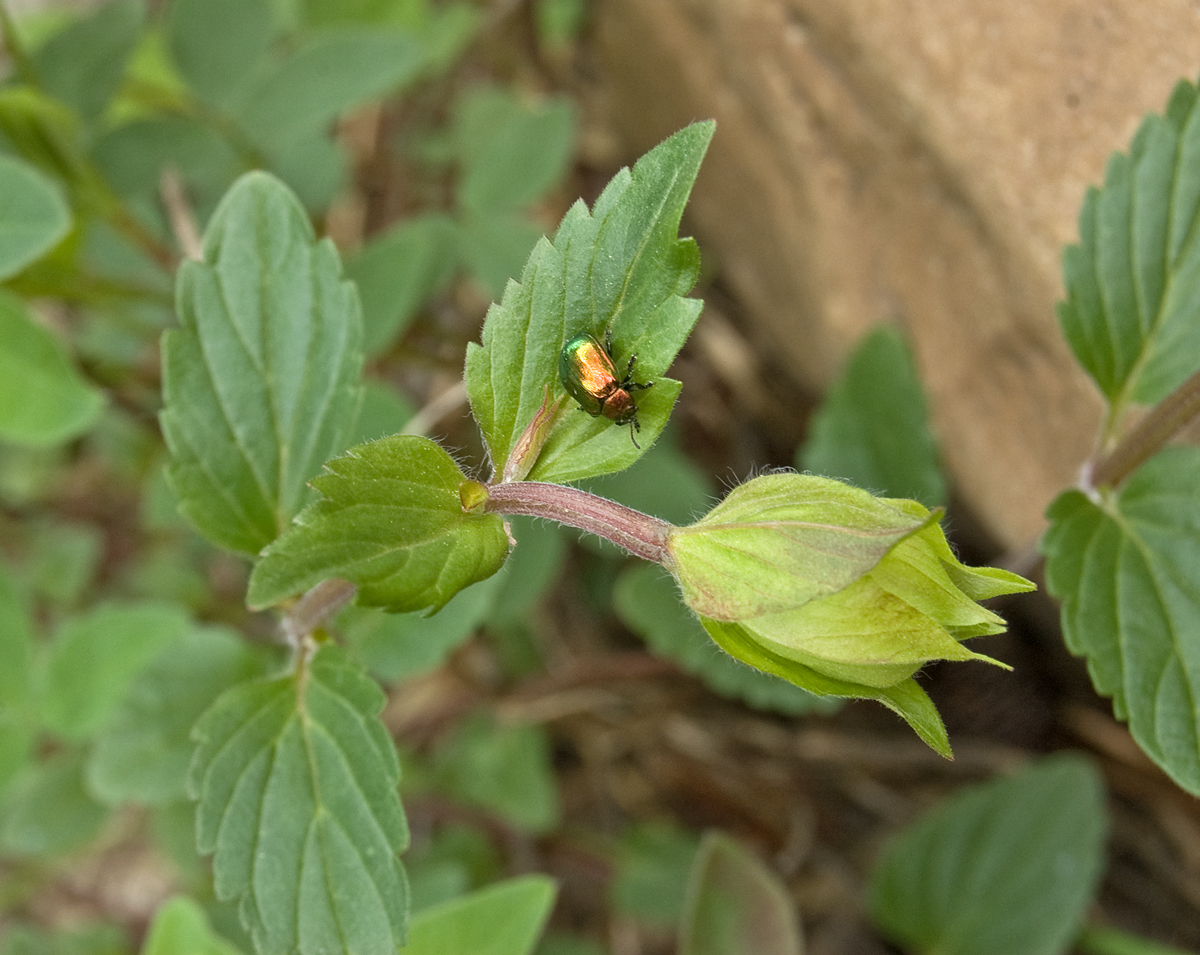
(619, 268)
(262, 379)
(296, 778)
(392, 523)
(1133, 282)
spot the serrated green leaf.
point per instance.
(96, 657)
(400, 270)
(503, 919)
(83, 65)
(510, 153)
(736, 905)
(216, 44)
(33, 215)
(1004, 868)
(872, 429)
(296, 778)
(906, 699)
(262, 379)
(180, 927)
(142, 754)
(1133, 282)
(17, 718)
(326, 75)
(392, 523)
(506, 769)
(399, 646)
(1128, 576)
(48, 810)
(647, 601)
(651, 871)
(43, 400)
(619, 268)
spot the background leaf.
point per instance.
(503, 919)
(506, 769)
(17, 716)
(83, 65)
(872, 428)
(1133, 282)
(647, 601)
(1004, 868)
(619, 268)
(216, 44)
(296, 779)
(97, 938)
(400, 270)
(650, 873)
(329, 73)
(43, 400)
(142, 755)
(494, 248)
(383, 412)
(95, 657)
(180, 927)
(530, 571)
(510, 153)
(736, 905)
(33, 215)
(1128, 576)
(399, 646)
(262, 379)
(48, 810)
(132, 157)
(392, 523)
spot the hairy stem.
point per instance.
(315, 608)
(1161, 424)
(640, 534)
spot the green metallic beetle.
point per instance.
(589, 374)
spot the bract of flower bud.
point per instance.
(834, 589)
(781, 540)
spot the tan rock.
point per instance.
(916, 160)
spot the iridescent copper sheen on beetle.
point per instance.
(588, 373)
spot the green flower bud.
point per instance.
(836, 590)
